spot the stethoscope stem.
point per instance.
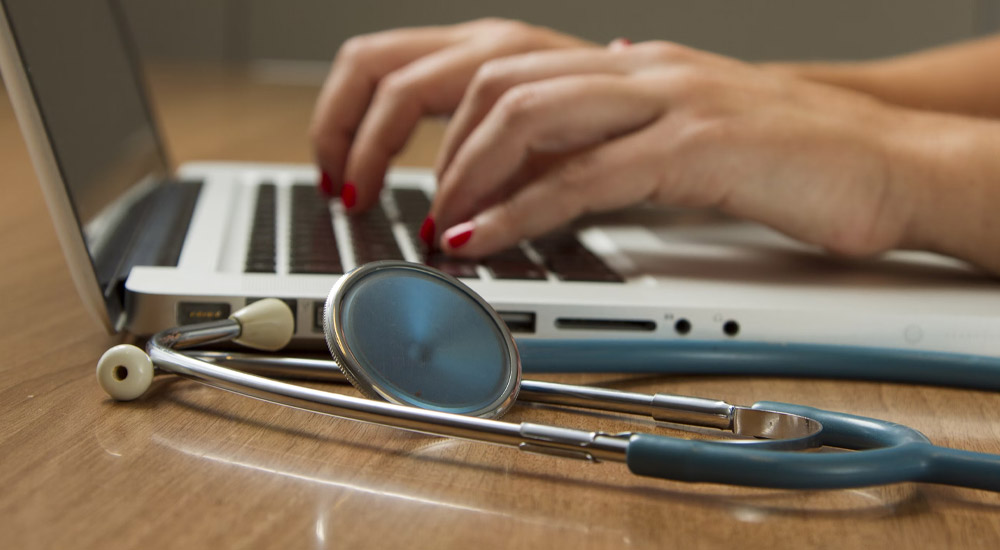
(553, 440)
(780, 430)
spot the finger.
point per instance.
(345, 95)
(552, 116)
(430, 85)
(619, 43)
(612, 175)
(498, 76)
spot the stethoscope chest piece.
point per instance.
(415, 336)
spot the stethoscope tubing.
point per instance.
(885, 453)
(882, 452)
(744, 358)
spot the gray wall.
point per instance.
(249, 30)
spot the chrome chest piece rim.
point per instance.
(412, 335)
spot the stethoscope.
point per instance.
(432, 356)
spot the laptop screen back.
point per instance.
(85, 83)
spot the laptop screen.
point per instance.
(78, 61)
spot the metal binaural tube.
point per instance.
(570, 443)
(771, 428)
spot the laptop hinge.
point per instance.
(151, 233)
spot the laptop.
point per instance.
(150, 247)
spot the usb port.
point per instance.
(318, 316)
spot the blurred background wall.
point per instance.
(311, 30)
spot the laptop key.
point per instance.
(313, 246)
(261, 250)
(412, 204)
(372, 237)
(566, 256)
(513, 263)
(456, 267)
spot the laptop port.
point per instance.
(189, 313)
(292, 305)
(605, 324)
(731, 328)
(518, 322)
(318, 316)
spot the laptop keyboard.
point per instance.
(313, 243)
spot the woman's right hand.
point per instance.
(382, 84)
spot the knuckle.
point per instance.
(691, 82)
(490, 22)
(513, 35)
(398, 88)
(511, 224)
(509, 28)
(577, 171)
(491, 80)
(517, 104)
(574, 198)
(394, 85)
(355, 50)
(508, 218)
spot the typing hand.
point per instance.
(659, 122)
(382, 84)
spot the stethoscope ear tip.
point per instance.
(125, 372)
(267, 324)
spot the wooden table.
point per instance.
(193, 467)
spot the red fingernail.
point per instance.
(427, 232)
(459, 235)
(624, 41)
(349, 194)
(325, 184)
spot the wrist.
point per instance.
(856, 76)
(947, 170)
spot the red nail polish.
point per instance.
(459, 235)
(427, 232)
(619, 44)
(349, 194)
(325, 184)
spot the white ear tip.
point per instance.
(125, 372)
(266, 324)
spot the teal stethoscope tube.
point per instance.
(761, 359)
(884, 453)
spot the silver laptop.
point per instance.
(150, 247)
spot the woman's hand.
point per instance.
(382, 84)
(548, 127)
(544, 137)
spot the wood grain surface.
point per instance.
(193, 467)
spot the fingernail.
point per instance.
(459, 235)
(427, 232)
(349, 194)
(619, 43)
(325, 184)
